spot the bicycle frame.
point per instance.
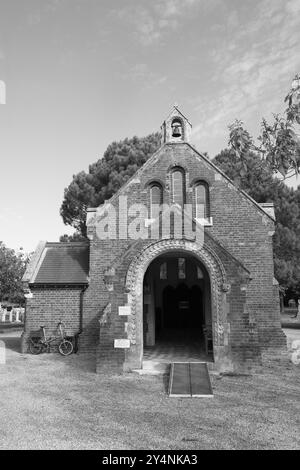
(65, 347)
(47, 341)
(61, 329)
(44, 333)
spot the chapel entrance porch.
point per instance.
(177, 310)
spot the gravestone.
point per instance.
(2, 353)
(2, 315)
(296, 352)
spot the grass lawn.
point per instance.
(52, 402)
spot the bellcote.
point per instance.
(176, 128)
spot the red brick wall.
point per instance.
(238, 225)
(47, 307)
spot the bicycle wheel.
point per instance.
(65, 347)
(35, 347)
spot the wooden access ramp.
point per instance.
(189, 379)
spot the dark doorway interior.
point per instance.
(177, 307)
(183, 307)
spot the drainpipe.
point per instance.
(80, 314)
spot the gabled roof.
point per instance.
(259, 207)
(177, 110)
(59, 263)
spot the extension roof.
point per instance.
(59, 263)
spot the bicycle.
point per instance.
(65, 347)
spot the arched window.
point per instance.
(178, 187)
(199, 273)
(163, 271)
(181, 268)
(155, 198)
(202, 200)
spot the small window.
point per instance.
(202, 201)
(178, 187)
(155, 198)
(199, 273)
(181, 268)
(163, 271)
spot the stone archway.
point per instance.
(134, 288)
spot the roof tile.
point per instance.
(64, 263)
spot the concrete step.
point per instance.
(154, 368)
(151, 367)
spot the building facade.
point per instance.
(178, 251)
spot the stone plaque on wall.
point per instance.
(124, 310)
(122, 343)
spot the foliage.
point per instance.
(241, 143)
(293, 100)
(278, 143)
(277, 152)
(120, 161)
(75, 237)
(259, 182)
(12, 268)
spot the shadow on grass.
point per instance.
(11, 327)
(12, 342)
(82, 362)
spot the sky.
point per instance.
(80, 74)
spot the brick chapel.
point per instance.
(165, 294)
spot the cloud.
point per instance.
(8, 214)
(253, 69)
(43, 10)
(293, 6)
(152, 21)
(140, 73)
(148, 30)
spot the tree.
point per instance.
(277, 153)
(120, 161)
(256, 179)
(75, 237)
(278, 143)
(259, 182)
(12, 268)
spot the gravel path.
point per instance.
(51, 402)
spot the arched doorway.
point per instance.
(177, 308)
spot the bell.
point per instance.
(176, 130)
